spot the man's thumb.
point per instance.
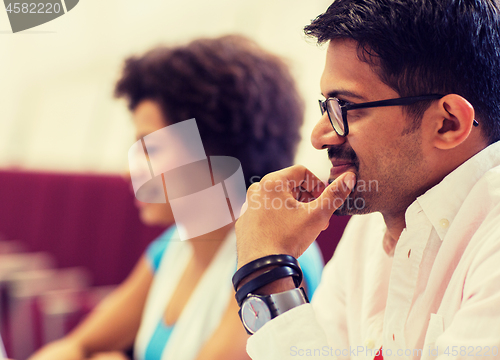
(335, 194)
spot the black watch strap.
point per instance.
(263, 262)
(267, 278)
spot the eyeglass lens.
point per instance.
(335, 110)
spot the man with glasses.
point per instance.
(412, 105)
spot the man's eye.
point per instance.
(343, 102)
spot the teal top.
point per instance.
(158, 341)
(311, 263)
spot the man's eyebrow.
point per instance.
(346, 93)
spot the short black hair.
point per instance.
(426, 46)
(244, 99)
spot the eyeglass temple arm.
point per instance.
(393, 102)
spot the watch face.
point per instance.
(254, 313)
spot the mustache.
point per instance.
(343, 153)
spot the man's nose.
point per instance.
(323, 134)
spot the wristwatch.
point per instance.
(256, 310)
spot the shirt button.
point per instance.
(370, 344)
(444, 223)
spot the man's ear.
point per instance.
(453, 121)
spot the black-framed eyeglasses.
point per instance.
(337, 109)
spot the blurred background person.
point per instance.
(246, 106)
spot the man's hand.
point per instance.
(286, 211)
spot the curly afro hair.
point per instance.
(243, 98)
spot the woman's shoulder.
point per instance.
(312, 264)
(154, 252)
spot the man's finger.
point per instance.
(335, 194)
(300, 180)
(298, 176)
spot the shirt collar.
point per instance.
(442, 202)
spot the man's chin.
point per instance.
(353, 205)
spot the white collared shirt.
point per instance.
(438, 295)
